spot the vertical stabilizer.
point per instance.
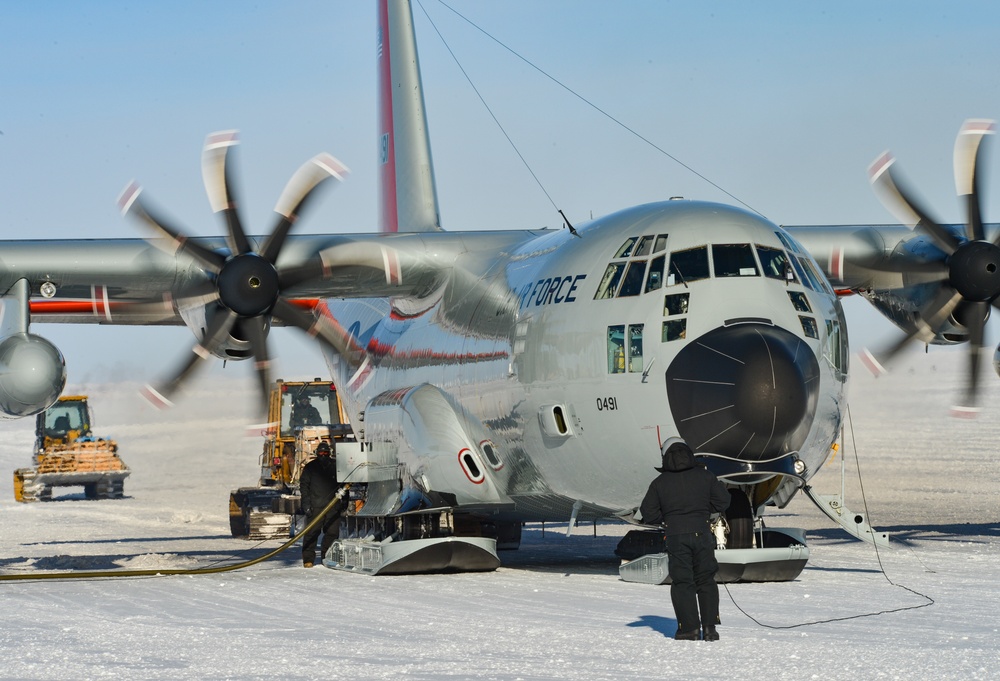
(407, 195)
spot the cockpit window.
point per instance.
(821, 283)
(626, 249)
(688, 265)
(800, 273)
(675, 329)
(676, 304)
(734, 260)
(645, 244)
(809, 275)
(799, 301)
(654, 279)
(635, 347)
(625, 278)
(632, 284)
(774, 261)
(809, 327)
(609, 282)
(790, 244)
(616, 349)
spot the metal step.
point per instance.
(735, 565)
(413, 556)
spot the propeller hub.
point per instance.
(974, 270)
(248, 285)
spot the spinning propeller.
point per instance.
(969, 270)
(245, 289)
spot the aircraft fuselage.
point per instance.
(572, 358)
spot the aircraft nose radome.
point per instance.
(747, 391)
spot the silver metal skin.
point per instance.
(491, 361)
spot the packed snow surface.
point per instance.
(924, 608)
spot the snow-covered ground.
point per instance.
(555, 610)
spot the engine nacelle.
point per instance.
(232, 346)
(32, 375)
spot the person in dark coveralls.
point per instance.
(304, 413)
(318, 486)
(682, 499)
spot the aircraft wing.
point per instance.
(131, 281)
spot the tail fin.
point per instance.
(407, 195)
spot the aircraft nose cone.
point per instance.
(747, 391)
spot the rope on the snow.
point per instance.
(878, 556)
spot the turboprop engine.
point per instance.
(32, 375)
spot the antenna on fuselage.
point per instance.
(572, 230)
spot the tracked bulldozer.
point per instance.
(68, 454)
(301, 414)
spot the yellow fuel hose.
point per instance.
(96, 574)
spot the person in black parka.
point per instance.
(682, 499)
(318, 486)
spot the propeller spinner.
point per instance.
(245, 289)
(969, 271)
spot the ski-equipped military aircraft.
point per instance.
(495, 378)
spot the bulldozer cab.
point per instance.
(308, 404)
(296, 406)
(63, 423)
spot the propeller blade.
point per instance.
(321, 327)
(220, 325)
(196, 295)
(218, 185)
(174, 242)
(200, 293)
(927, 324)
(297, 192)
(977, 315)
(314, 268)
(904, 266)
(967, 178)
(255, 331)
(903, 205)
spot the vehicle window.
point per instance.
(773, 260)
(800, 273)
(609, 282)
(734, 260)
(809, 275)
(654, 280)
(616, 349)
(675, 304)
(626, 249)
(790, 243)
(661, 243)
(689, 265)
(645, 244)
(64, 417)
(635, 348)
(799, 301)
(632, 283)
(821, 283)
(675, 329)
(809, 327)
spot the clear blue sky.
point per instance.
(783, 104)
